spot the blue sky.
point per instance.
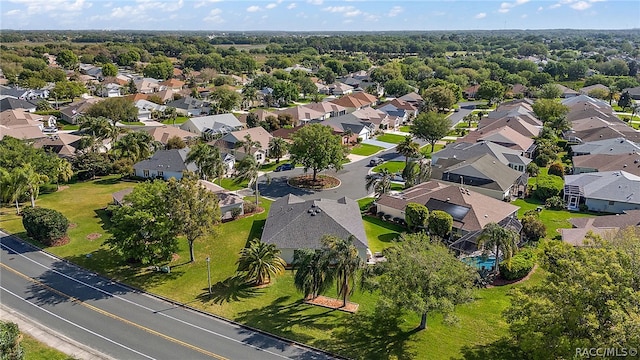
(317, 15)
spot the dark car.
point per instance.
(376, 161)
(284, 167)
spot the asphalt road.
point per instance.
(119, 321)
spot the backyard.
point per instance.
(277, 308)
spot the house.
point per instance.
(412, 98)
(399, 108)
(566, 92)
(230, 143)
(595, 128)
(350, 123)
(634, 92)
(75, 110)
(605, 226)
(212, 125)
(581, 101)
(23, 125)
(11, 103)
(606, 162)
(110, 90)
(470, 210)
(518, 90)
(165, 164)
(33, 95)
(521, 112)
(146, 85)
(190, 106)
(227, 200)
(336, 88)
(608, 191)
(91, 70)
(471, 92)
(588, 89)
(162, 134)
(298, 67)
(118, 196)
(517, 123)
(62, 144)
(483, 174)
(616, 146)
(302, 114)
(329, 109)
(465, 151)
(294, 223)
(378, 119)
(147, 108)
(174, 85)
(504, 136)
(356, 101)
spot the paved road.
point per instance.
(465, 109)
(119, 321)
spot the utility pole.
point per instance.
(209, 273)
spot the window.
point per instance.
(612, 202)
(161, 173)
(258, 156)
(145, 173)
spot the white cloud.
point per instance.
(353, 13)
(271, 6)
(524, 16)
(540, 8)
(13, 12)
(253, 8)
(554, 6)
(395, 11)
(580, 5)
(481, 16)
(204, 2)
(53, 7)
(291, 6)
(338, 9)
(315, 2)
(214, 16)
(506, 6)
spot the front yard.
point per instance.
(277, 308)
(391, 138)
(365, 149)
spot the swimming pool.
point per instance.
(480, 262)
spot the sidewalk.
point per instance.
(50, 337)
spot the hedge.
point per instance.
(47, 226)
(519, 266)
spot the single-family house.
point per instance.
(147, 85)
(165, 164)
(302, 114)
(634, 92)
(110, 90)
(62, 144)
(75, 110)
(595, 128)
(605, 226)
(329, 109)
(399, 108)
(350, 123)
(471, 211)
(174, 85)
(615, 146)
(567, 92)
(517, 123)
(588, 89)
(608, 191)
(504, 136)
(294, 223)
(212, 125)
(230, 143)
(162, 134)
(471, 92)
(412, 98)
(23, 125)
(190, 106)
(227, 200)
(606, 162)
(147, 108)
(356, 101)
(378, 119)
(336, 88)
(298, 67)
(521, 112)
(34, 95)
(465, 151)
(11, 103)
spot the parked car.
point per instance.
(284, 167)
(376, 161)
(50, 130)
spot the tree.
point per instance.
(440, 223)
(625, 100)
(145, 227)
(416, 172)
(115, 109)
(380, 183)
(588, 299)
(533, 229)
(549, 110)
(260, 261)
(440, 97)
(137, 145)
(195, 208)
(10, 339)
(431, 127)
(13, 186)
(68, 90)
(285, 92)
(67, 59)
(424, 276)
(208, 160)
(501, 239)
(99, 127)
(64, 170)
(33, 181)
(550, 91)
(397, 87)
(248, 169)
(317, 148)
(312, 275)
(45, 225)
(278, 148)
(159, 70)
(109, 69)
(175, 142)
(345, 263)
(408, 148)
(416, 215)
(171, 113)
(491, 90)
(252, 120)
(224, 100)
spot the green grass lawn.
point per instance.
(364, 203)
(35, 350)
(552, 219)
(391, 138)
(179, 120)
(229, 184)
(392, 166)
(426, 150)
(365, 149)
(405, 128)
(277, 308)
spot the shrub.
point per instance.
(416, 215)
(440, 223)
(554, 203)
(548, 186)
(235, 213)
(583, 207)
(556, 169)
(519, 265)
(48, 188)
(533, 228)
(387, 217)
(45, 225)
(249, 207)
(533, 169)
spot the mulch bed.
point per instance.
(331, 303)
(322, 182)
(72, 226)
(500, 281)
(61, 241)
(63, 187)
(175, 257)
(93, 236)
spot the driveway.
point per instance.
(465, 109)
(382, 144)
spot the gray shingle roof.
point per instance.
(291, 225)
(464, 151)
(485, 167)
(168, 160)
(607, 146)
(619, 186)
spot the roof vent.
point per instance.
(448, 199)
(313, 214)
(318, 211)
(486, 216)
(310, 211)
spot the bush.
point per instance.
(519, 266)
(533, 228)
(533, 169)
(556, 169)
(48, 188)
(45, 225)
(249, 207)
(548, 186)
(583, 207)
(235, 213)
(554, 203)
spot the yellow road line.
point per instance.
(113, 316)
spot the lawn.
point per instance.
(230, 184)
(391, 138)
(552, 219)
(426, 150)
(179, 120)
(132, 123)
(405, 128)
(365, 149)
(276, 308)
(392, 166)
(35, 350)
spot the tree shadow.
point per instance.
(373, 335)
(109, 181)
(501, 349)
(388, 238)
(280, 317)
(105, 218)
(256, 230)
(234, 288)
(278, 187)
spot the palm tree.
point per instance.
(260, 261)
(64, 171)
(345, 261)
(171, 113)
(505, 240)
(101, 128)
(348, 133)
(208, 160)
(381, 184)
(247, 144)
(417, 171)
(278, 147)
(312, 275)
(137, 145)
(248, 169)
(12, 185)
(33, 180)
(408, 148)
